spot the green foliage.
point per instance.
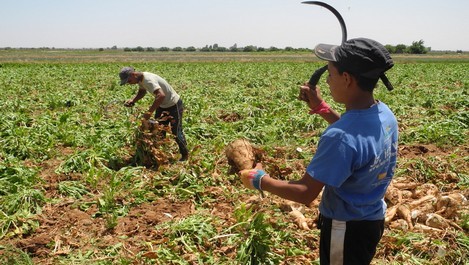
(73, 189)
(14, 256)
(417, 47)
(256, 233)
(66, 120)
(430, 103)
(82, 162)
(400, 48)
(19, 198)
(187, 236)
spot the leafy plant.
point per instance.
(73, 189)
(84, 137)
(189, 238)
(14, 256)
(256, 238)
(19, 198)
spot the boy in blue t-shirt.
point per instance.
(355, 158)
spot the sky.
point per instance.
(442, 24)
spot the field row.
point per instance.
(71, 192)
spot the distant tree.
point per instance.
(191, 49)
(417, 47)
(400, 48)
(127, 49)
(288, 48)
(250, 48)
(114, 47)
(164, 49)
(101, 49)
(390, 48)
(205, 49)
(260, 49)
(177, 49)
(234, 48)
(459, 51)
(221, 49)
(150, 49)
(138, 49)
(273, 49)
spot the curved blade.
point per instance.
(335, 12)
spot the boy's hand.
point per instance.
(309, 92)
(310, 95)
(251, 178)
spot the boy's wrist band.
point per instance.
(256, 180)
(323, 107)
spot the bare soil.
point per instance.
(71, 228)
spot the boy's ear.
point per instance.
(348, 78)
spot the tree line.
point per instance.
(214, 48)
(417, 47)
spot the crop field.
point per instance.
(72, 190)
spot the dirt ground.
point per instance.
(72, 228)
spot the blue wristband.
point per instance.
(256, 181)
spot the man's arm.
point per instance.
(140, 93)
(159, 97)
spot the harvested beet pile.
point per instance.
(416, 206)
(153, 147)
(412, 206)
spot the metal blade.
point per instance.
(335, 12)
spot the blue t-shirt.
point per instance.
(355, 159)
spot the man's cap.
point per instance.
(124, 74)
(363, 57)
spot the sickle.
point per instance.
(335, 12)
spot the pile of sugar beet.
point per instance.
(412, 206)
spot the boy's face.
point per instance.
(337, 83)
